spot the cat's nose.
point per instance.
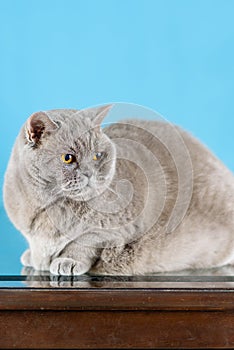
(87, 172)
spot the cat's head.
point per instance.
(66, 153)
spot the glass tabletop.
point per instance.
(217, 278)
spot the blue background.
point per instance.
(174, 56)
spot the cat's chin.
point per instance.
(85, 194)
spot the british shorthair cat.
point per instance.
(136, 197)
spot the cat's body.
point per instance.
(156, 200)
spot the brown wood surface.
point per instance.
(116, 329)
(121, 299)
(117, 318)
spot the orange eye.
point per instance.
(68, 158)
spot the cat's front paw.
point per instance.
(67, 266)
(26, 258)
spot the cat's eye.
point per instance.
(97, 156)
(68, 158)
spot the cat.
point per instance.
(134, 198)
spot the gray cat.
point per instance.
(137, 197)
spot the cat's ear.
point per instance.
(98, 114)
(38, 125)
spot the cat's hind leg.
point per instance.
(26, 258)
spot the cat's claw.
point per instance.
(68, 266)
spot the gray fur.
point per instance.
(157, 201)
